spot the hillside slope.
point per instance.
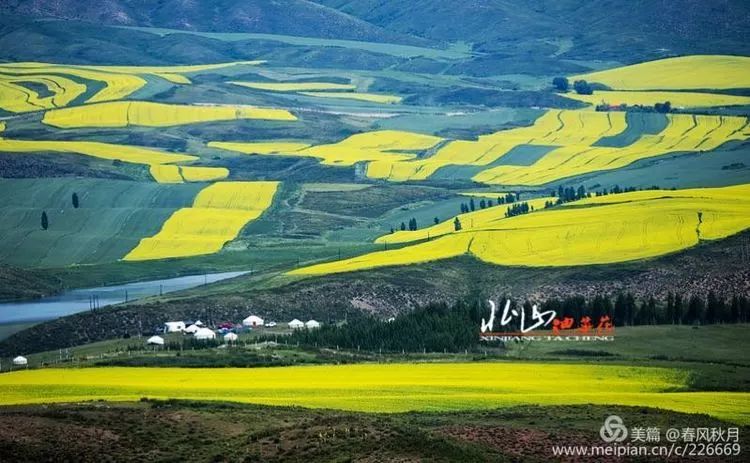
(649, 27)
(292, 17)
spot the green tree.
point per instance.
(457, 224)
(436, 220)
(561, 83)
(74, 199)
(45, 222)
(582, 87)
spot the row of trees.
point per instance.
(663, 108)
(562, 84)
(456, 327)
(676, 309)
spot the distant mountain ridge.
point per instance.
(289, 17)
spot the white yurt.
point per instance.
(155, 341)
(231, 337)
(204, 334)
(174, 327)
(253, 320)
(192, 329)
(20, 360)
(296, 324)
(312, 324)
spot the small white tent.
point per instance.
(204, 334)
(198, 323)
(312, 324)
(174, 327)
(20, 360)
(192, 329)
(253, 320)
(155, 341)
(230, 337)
(296, 324)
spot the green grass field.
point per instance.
(111, 218)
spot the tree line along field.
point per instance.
(398, 387)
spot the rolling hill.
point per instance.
(292, 17)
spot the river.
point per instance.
(80, 300)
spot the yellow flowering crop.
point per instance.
(368, 146)
(683, 133)
(143, 113)
(396, 387)
(112, 151)
(696, 72)
(616, 228)
(469, 221)
(15, 97)
(217, 216)
(119, 81)
(259, 147)
(555, 127)
(361, 96)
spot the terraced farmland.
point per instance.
(134, 154)
(684, 133)
(615, 228)
(217, 215)
(68, 82)
(148, 114)
(398, 387)
(390, 145)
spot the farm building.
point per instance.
(174, 327)
(204, 334)
(296, 324)
(192, 329)
(155, 341)
(20, 360)
(312, 324)
(230, 337)
(253, 320)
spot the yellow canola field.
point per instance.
(294, 86)
(111, 151)
(119, 81)
(259, 147)
(217, 216)
(369, 146)
(683, 133)
(144, 113)
(360, 96)
(469, 221)
(168, 173)
(617, 228)
(555, 127)
(203, 174)
(676, 99)
(398, 387)
(681, 73)
(16, 97)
